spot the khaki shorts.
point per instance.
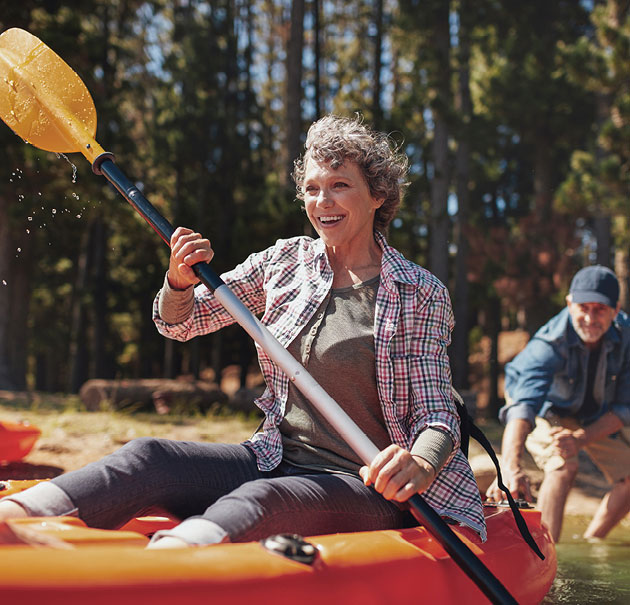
(611, 454)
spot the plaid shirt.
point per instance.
(413, 320)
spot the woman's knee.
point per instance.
(146, 450)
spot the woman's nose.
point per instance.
(323, 199)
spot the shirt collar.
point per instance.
(393, 264)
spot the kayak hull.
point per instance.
(16, 440)
(94, 566)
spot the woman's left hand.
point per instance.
(398, 475)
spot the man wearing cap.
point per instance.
(569, 390)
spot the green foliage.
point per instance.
(191, 98)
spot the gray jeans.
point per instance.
(220, 493)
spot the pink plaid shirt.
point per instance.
(413, 321)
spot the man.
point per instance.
(569, 390)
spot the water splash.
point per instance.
(74, 168)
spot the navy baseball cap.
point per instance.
(595, 284)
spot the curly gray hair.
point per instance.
(333, 139)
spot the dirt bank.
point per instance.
(72, 438)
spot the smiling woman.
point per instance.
(400, 320)
(344, 305)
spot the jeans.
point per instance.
(221, 485)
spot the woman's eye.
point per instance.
(341, 184)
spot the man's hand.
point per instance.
(518, 484)
(568, 443)
(514, 477)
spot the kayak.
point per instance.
(86, 565)
(16, 440)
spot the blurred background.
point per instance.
(515, 116)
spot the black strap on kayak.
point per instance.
(470, 429)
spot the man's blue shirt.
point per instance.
(550, 373)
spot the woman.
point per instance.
(371, 327)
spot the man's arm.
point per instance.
(568, 443)
(512, 447)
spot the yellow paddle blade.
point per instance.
(42, 99)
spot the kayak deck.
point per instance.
(103, 566)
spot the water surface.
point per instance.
(591, 573)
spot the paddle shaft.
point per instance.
(327, 406)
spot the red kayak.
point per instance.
(16, 440)
(65, 562)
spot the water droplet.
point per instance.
(54, 210)
(28, 231)
(4, 282)
(30, 218)
(19, 249)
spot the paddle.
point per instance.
(45, 102)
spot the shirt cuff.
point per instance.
(175, 306)
(435, 446)
(517, 410)
(44, 499)
(195, 531)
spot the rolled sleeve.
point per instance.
(523, 410)
(623, 411)
(528, 379)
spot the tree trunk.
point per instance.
(294, 85)
(438, 250)
(6, 249)
(78, 354)
(377, 109)
(20, 293)
(493, 326)
(603, 236)
(317, 58)
(99, 342)
(459, 354)
(622, 265)
(150, 393)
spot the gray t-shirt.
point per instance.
(337, 349)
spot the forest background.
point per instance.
(515, 116)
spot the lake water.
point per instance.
(591, 573)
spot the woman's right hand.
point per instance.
(187, 249)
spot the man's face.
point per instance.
(591, 320)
